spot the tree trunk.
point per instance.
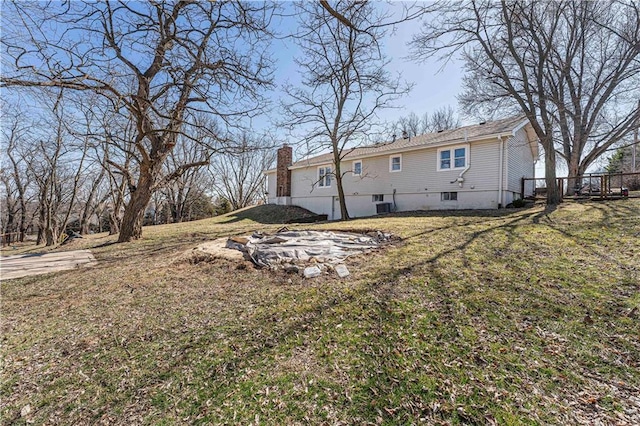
(344, 213)
(41, 224)
(553, 193)
(23, 219)
(114, 224)
(51, 236)
(575, 173)
(131, 227)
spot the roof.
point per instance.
(504, 127)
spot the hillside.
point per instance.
(507, 317)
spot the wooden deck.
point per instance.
(36, 264)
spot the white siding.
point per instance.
(418, 186)
(520, 164)
(271, 187)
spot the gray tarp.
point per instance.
(305, 246)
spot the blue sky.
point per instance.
(434, 87)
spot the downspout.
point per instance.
(500, 172)
(506, 166)
(460, 179)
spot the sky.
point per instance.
(434, 86)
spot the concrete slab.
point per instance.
(36, 264)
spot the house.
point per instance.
(472, 167)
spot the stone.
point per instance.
(26, 410)
(342, 271)
(312, 271)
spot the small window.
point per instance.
(395, 163)
(448, 196)
(376, 198)
(357, 168)
(324, 177)
(445, 159)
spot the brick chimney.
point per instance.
(283, 174)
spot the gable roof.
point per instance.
(504, 127)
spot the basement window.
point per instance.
(448, 196)
(376, 198)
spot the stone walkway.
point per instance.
(36, 264)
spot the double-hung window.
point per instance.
(459, 157)
(453, 158)
(324, 177)
(395, 163)
(357, 168)
(445, 159)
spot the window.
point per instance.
(395, 163)
(448, 196)
(377, 198)
(445, 159)
(459, 157)
(452, 158)
(324, 177)
(357, 168)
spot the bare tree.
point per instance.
(565, 65)
(344, 82)
(183, 191)
(16, 176)
(156, 62)
(238, 176)
(443, 118)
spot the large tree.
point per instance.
(571, 67)
(344, 81)
(155, 62)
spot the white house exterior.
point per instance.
(472, 167)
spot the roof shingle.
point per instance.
(473, 132)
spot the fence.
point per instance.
(611, 185)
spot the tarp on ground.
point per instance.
(305, 246)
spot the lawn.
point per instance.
(520, 316)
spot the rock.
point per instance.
(26, 410)
(312, 271)
(342, 271)
(239, 240)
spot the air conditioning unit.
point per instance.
(383, 208)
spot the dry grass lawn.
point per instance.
(518, 316)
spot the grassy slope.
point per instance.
(520, 316)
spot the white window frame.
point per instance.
(377, 198)
(353, 167)
(391, 157)
(326, 176)
(452, 159)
